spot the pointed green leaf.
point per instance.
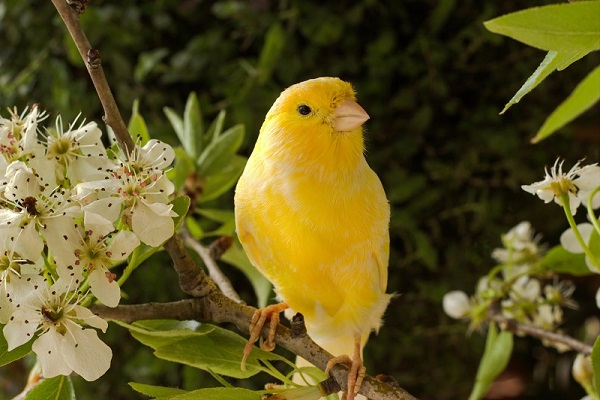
(596, 364)
(237, 257)
(498, 348)
(215, 129)
(7, 357)
(585, 95)
(204, 346)
(57, 388)
(156, 391)
(551, 62)
(137, 126)
(274, 44)
(568, 27)
(183, 167)
(559, 260)
(219, 183)
(219, 394)
(218, 153)
(192, 126)
(177, 124)
(181, 205)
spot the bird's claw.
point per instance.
(257, 323)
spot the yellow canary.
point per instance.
(314, 219)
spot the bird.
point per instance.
(313, 218)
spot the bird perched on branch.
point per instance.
(313, 218)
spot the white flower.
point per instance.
(89, 253)
(547, 316)
(76, 154)
(456, 304)
(18, 135)
(598, 298)
(526, 289)
(569, 241)
(63, 345)
(521, 248)
(30, 204)
(589, 179)
(582, 369)
(16, 261)
(556, 183)
(141, 190)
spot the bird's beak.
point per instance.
(348, 116)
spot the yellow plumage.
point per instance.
(312, 215)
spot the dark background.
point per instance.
(433, 81)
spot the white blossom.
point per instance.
(456, 304)
(30, 204)
(54, 318)
(76, 154)
(569, 241)
(140, 190)
(90, 252)
(556, 183)
(18, 135)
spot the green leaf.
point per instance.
(274, 44)
(498, 348)
(215, 129)
(219, 394)
(218, 153)
(137, 126)
(192, 126)
(585, 95)
(147, 61)
(181, 205)
(551, 62)
(219, 183)
(596, 364)
(57, 388)
(6, 357)
(202, 346)
(184, 166)
(568, 27)
(177, 124)
(217, 215)
(559, 260)
(237, 257)
(156, 391)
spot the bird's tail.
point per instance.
(336, 346)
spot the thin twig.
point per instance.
(214, 271)
(514, 326)
(91, 58)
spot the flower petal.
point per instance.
(49, 351)
(106, 290)
(85, 353)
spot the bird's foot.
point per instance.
(256, 325)
(355, 375)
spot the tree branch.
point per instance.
(217, 308)
(91, 57)
(511, 325)
(214, 272)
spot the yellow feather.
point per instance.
(312, 215)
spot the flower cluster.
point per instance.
(70, 211)
(513, 288)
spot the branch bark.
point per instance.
(511, 325)
(91, 58)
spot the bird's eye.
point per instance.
(303, 109)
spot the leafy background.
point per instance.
(432, 79)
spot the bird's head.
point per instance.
(316, 121)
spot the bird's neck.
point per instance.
(329, 159)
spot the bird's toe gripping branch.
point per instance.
(257, 323)
(357, 369)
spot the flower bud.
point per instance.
(582, 370)
(456, 304)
